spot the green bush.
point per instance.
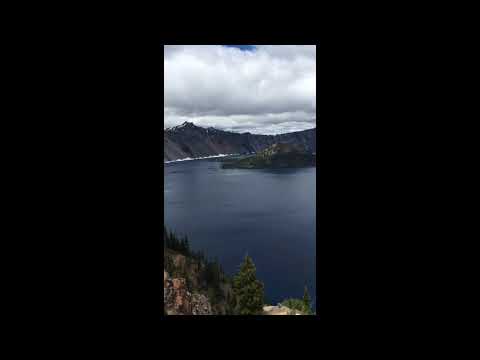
(303, 305)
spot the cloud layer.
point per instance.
(266, 91)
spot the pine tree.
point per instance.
(248, 290)
(187, 245)
(306, 299)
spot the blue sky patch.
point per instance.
(243, 47)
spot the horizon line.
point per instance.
(236, 132)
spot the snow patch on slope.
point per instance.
(199, 158)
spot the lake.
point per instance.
(268, 214)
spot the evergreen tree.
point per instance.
(306, 299)
(187, 245)
(176, 243)
(248, 290)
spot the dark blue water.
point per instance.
(269, 214)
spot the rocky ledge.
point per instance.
(179, 301)
(280, 310)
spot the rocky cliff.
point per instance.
(178, 300)
(190, 141)
(188, 289)
(186, 293)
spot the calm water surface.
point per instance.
(269, 214)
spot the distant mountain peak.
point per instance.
(185, 125)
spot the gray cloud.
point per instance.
(270, 90)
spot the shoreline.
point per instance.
(199, 158)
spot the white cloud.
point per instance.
(269, 90)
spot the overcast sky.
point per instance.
(263, 89)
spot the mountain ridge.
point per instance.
(190, 141)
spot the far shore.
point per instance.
(199, 158)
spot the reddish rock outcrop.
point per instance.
(179, 301)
